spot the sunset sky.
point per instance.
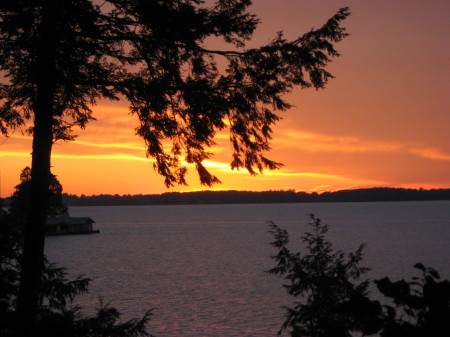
(383, 121)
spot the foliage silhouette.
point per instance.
(59, 58)
(152, 53)
(57, 315)
(421, 307)
(330, 304)
(21, 196)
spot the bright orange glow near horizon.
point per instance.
(383, 121)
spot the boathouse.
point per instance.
(69, 225)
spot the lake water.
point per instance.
(202, 266)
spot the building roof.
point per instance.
(69, 220)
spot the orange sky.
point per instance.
(384, 120)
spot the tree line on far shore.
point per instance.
(250, 197)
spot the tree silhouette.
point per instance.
(330, 299)
(20, 197)
(58, 314)
(59, 58)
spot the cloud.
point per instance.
(320, 188)
(430, 153)
(315, 142)
(120, 145)
(118, 156)
(14, 154)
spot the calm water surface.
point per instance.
(202, 266)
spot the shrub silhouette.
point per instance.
(57, 315)
(421, 307)
(331, 301)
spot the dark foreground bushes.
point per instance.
(58, 316)
(331, 300)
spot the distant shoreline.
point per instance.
(252, 197)
(377, 194)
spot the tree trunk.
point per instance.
(32, 261)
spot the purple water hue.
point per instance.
(202, 266)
